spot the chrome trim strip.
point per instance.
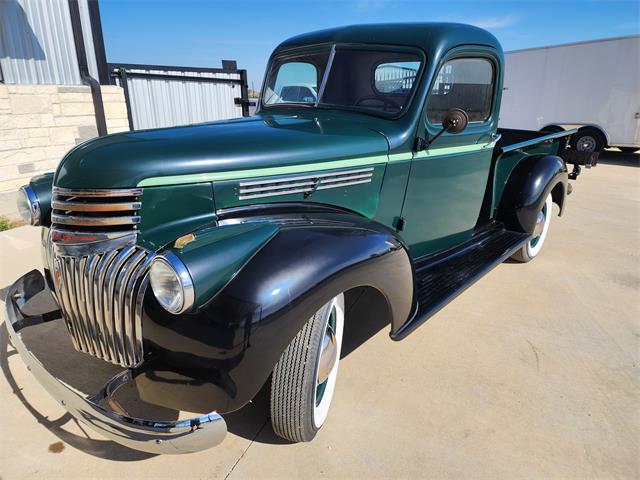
(305, 177)
(275, 194)
(108, 295)
(347, 184)
(94, 221)
(322, 186)
(99, 288)
(345, 178)
(97, 192)
(68, 206)
(275, 186)
(120, 318)
(298, 184)
(137, 317)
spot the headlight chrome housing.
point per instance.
(171, 283)
(28, 205)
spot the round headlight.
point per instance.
(28, 205)
(171, 283)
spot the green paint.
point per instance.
(172, 211)
(507, 161)
(218, 253)
(262, 172)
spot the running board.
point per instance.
(441, 279)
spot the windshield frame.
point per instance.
(292, 53)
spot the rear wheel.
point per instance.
(305, 376)
(532, 248)
(588, 140)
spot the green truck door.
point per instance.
(448, 180)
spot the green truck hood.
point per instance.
(179, 155)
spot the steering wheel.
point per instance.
(385, 101)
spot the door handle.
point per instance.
(492, 137)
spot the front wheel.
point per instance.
(532, 248)
(305, 376)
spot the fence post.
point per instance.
(244, 88)
(122, 73)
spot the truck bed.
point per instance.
(512, 139)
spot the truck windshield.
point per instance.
(354, 78)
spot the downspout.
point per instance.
(83, 66)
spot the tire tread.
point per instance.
(289, 385)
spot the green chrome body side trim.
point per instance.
(261, 172)
(438, 152)
(310, 167)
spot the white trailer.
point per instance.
(593, 86)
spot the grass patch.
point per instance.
(6, 224)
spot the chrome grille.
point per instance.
(101, 298)
(95, 209)
(304, 184)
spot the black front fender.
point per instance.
(531, 181)
(234, 340)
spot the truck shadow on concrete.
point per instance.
(363, 321)
(615, 157)
(52, 345)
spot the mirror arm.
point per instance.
(428, 143)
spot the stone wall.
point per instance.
(40, 123)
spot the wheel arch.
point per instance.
(242, 331)
(562, 126)
(527, 187)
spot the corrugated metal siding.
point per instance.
(36, 42)
(166, 103)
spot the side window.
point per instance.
(465, 83)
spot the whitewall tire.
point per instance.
(304, 378)
(533, 247)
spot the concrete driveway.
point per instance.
(533, 372)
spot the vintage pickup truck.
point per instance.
(213, 258)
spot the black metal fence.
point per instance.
(167, 95)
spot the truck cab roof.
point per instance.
(432, 37)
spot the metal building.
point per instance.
(60, 42)
(37, 44)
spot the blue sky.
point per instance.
(202, 33)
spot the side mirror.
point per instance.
(455, 120)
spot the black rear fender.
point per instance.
(531, 181)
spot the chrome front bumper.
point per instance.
(181, 436)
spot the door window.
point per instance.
(465, 83)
